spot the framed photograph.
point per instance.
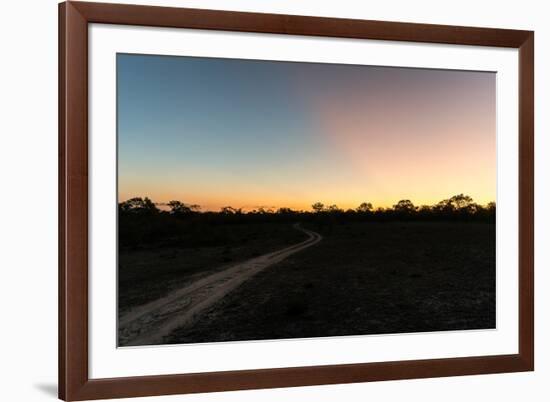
(258, 200)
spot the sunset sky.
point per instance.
(219, 132)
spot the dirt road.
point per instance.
(150, 323)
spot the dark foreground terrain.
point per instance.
(151, 271)
(362, 278)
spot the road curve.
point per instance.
(150, 323)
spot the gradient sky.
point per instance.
(246, 133)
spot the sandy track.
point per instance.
(150, 323)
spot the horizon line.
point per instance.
(274, 208)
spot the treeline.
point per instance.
(458, 207)
(142, 222)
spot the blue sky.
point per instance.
(249, 133)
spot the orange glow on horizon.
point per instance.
(254, 204)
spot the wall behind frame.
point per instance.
(28, 205)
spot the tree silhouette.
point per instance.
(459, 202)
(228, 210)
(364, 207)
(404, 206)
(138, 206)
(333, 208)
(318, 207)
(179, 208)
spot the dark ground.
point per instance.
(149, 272)
(362, 278)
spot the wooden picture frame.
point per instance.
(74, 381)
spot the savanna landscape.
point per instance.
(394, 270)
(274, 200)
